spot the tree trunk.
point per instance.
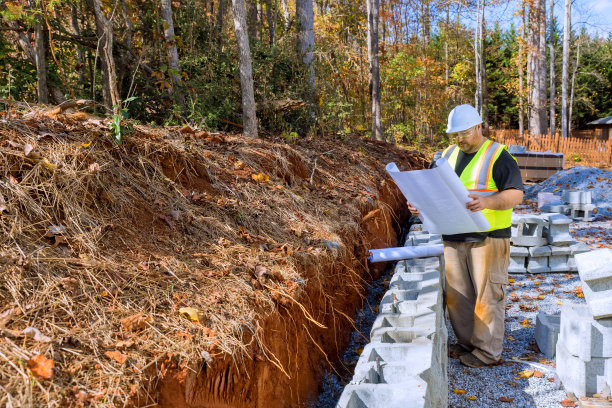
(566, 37)
(270, 19)
(104, 28)
(552, 68)
(74, 20)
(484, 113)
(172, 52)
(520, 73)
(286, 15)
(41, 61)
(252, 18)
(571, 101)
(305, 19)
(373, 8)
(249, 117)
(220, 13)
(536, 68)
(477, 58)
(446, 43)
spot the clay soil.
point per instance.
(182, 268)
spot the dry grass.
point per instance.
(101, 245)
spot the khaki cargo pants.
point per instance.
(476, 279)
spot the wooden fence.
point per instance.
(577, 150)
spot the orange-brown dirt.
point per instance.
(182, 268)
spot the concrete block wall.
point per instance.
(584, 347)
(405, 363)
(543, 243)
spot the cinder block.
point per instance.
(583, 336)
(583, 378)
(547, 332)
(529, 232)
(579, 247)
(595, 270)
(582, 212)
(538, 259)
(365, 395)
(585, 197)
(571, 196)
(558, 230)
(518, 257)
(556, 208)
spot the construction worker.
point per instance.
(477, 262)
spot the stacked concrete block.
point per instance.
(538, 259)
(557, 232)
(559, 258)
(547, 332)
(584, 351)
(582, 212)
(595, 270)
(529, 232)
(543, 243)
(578, 204)
(405, 363)
(518, 259)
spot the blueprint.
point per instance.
(440, 197)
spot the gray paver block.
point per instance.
(584, 336)
(595, 270)
(556, 208)
(583, 378)
(413, 389)
(579, 247)
(558, 263)
(547, 332)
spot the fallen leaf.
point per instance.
(190, 313)
(567, 403)
(506, 399)
(472, 398)
(260, 177)
(538, 374)
(239, 165)
(511, 280)
(525, 323)
(86, 145)
(460, 392)
(48, 164)
(358, 350)
(510, 338)
(525, 374)
(134, 322)
(184, 335)
(41, 367)
(558, 302)
(117, 356)
(94, 168)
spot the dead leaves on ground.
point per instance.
(118, 356)
(135, 322)
(41, 367)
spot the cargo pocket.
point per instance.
(499, 258)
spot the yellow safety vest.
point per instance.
(477, 177)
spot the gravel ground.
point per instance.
(598, 181)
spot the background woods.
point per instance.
(391, 67)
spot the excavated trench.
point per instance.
(302, 350)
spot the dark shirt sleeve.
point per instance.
(506, 173)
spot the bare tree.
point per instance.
(74, 21)
(41, 58)
(249, 117)
(373, 11)
(521, 52)
(571, 101)
(536, 67)
(305, 18)
(172, 52)
(552, 67)
(566, 37)
(104, 28)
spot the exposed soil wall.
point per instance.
(301, 348)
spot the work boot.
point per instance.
(471, 360)
(457, 350)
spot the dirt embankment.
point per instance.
(182, 268)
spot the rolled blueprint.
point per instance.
(440, 197)
(409, 252)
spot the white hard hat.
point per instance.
(462, 118)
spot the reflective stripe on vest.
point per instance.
(477, 177)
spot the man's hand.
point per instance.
(412, 209)
(503, 200)
(478, 203)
